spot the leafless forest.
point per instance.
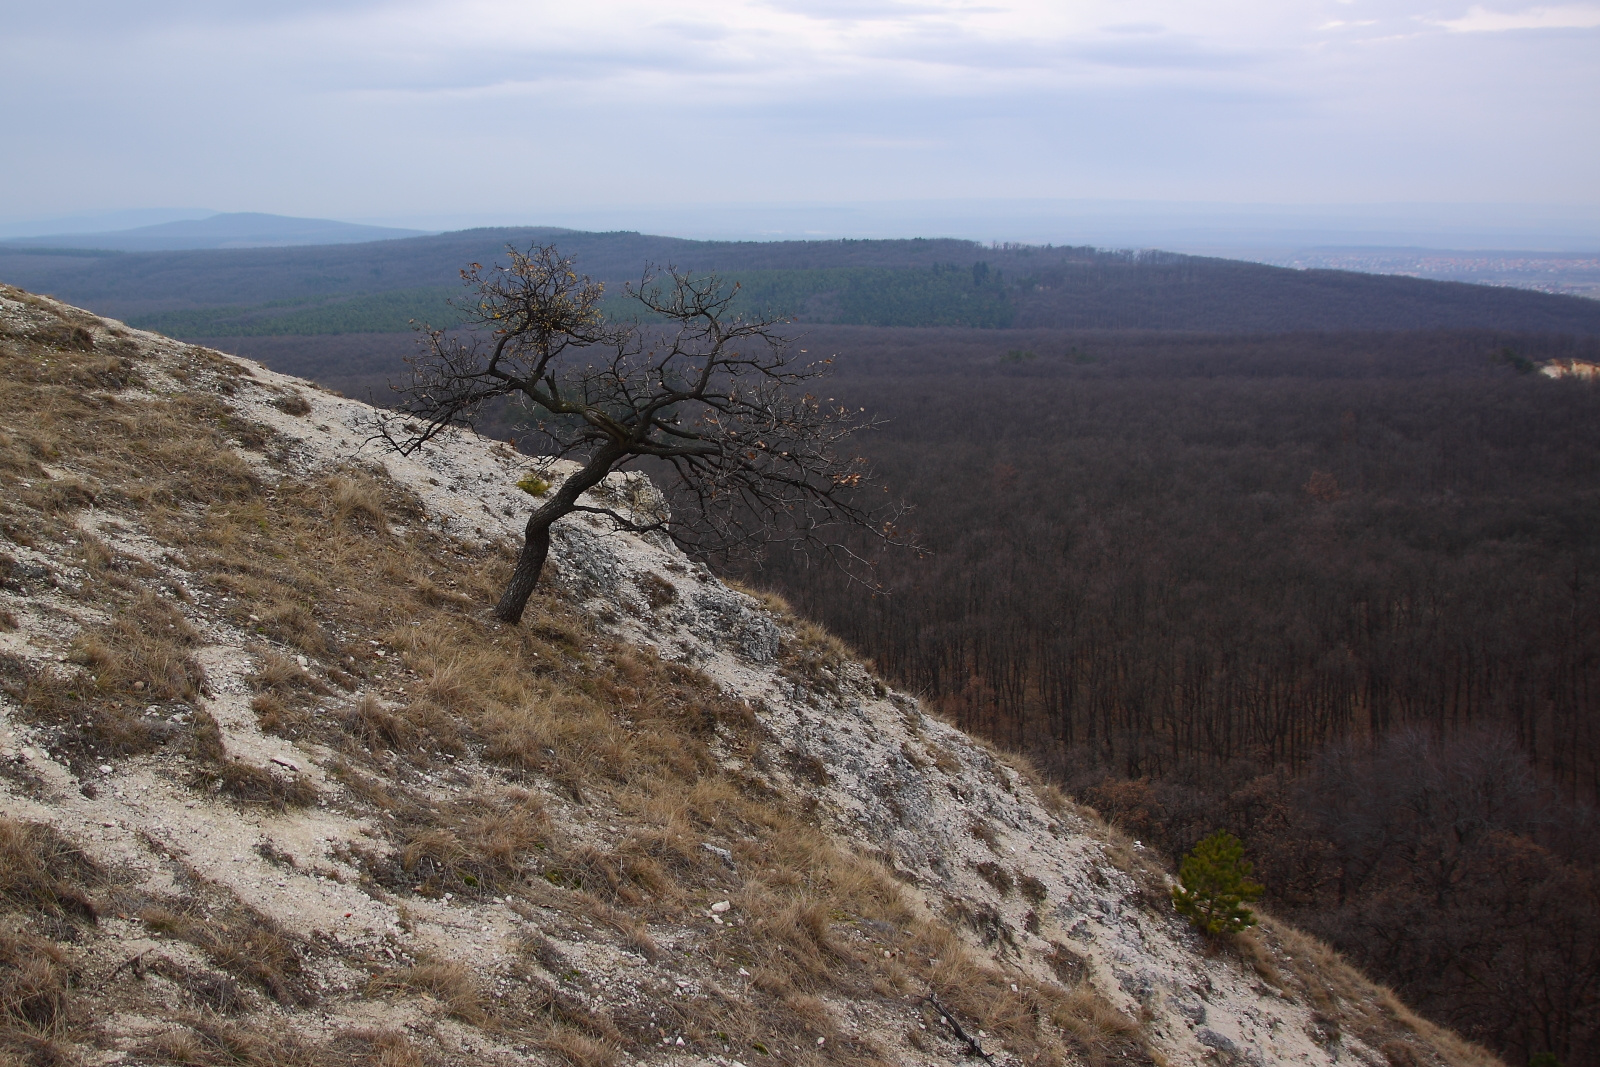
(1339, 594)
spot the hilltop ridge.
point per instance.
(276, 789)
(233, 229)
(381, 286)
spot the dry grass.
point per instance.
(367, 1047)
(812, 657)
(578, 1048)
(44, 881)
(534, 1013)
(769, 599)
(1349, 1000)
(35, 989)
(471, 847)
(277, 672)
(241, 941)
(43, 873)
(240, 781)
(256, 786)
(293, 404)
(210, 1042)
(627, 730)
(446, 981)
(357, 498)
(277, 716)
(418, 728)
(98, 710)
(658, 592)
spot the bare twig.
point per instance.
(973, 1047)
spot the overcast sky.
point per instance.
(520, 110)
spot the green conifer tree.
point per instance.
(1214, 886)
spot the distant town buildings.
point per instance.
(1569, 275)
(1571, 368)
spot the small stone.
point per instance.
(105, 768)
(302, 661)
(744, 973)
(721, 907)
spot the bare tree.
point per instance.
(714, 401)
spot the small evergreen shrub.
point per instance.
(533, 485)
(1214, 885)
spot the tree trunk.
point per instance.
(535, 547)
(536, 540)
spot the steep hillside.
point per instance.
(276, 790)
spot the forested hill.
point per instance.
(140, 283)
(381, 286)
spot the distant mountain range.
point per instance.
(239, 229)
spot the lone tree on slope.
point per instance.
(1214, 886)
(715, 399)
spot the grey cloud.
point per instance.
(1134, 28)
(693, 31)
(853, 11)
(1163, 52)
(102, 18)
(249, 109)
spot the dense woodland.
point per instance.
(1339, 594)
(1335, 590)
(381, 286)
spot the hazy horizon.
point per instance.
(791, 117)
(1224, 228)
